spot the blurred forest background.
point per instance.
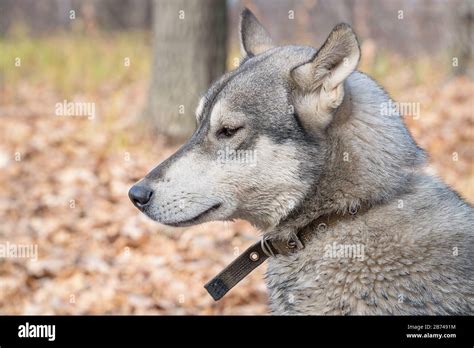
(143, 64)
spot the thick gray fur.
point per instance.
(321, 144)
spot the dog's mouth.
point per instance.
(195, 219)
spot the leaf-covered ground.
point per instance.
(64, 183)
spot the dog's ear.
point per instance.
(254, 38)
(320, 81)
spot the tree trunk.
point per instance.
(464, 26)
(189, 48)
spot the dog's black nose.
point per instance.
(140, 195)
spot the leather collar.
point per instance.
(267, 247)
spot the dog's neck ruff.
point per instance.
(267, 247)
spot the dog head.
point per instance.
(260, 143)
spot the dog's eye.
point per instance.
(227, 132)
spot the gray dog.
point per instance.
(303, 146)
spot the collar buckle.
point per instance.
(266, 246)
(294, 242)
